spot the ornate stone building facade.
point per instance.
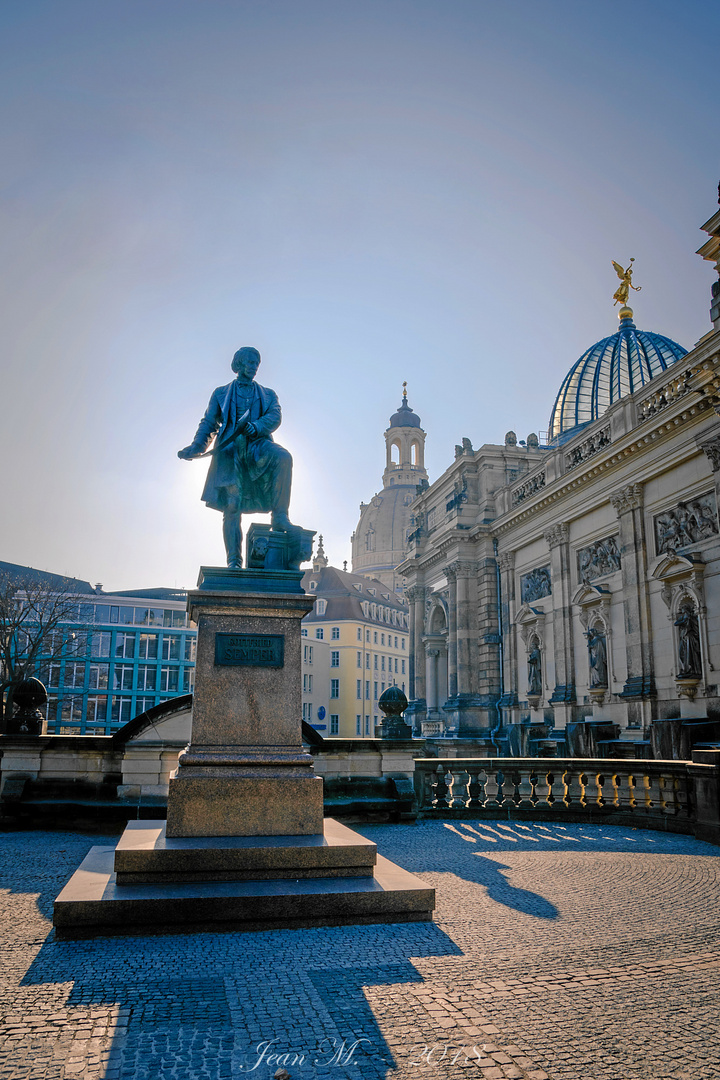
(379, 542)
(579, 580)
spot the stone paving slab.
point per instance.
(560, 952)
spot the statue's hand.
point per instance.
(250, 428)
(186, 454)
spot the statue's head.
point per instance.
(246, 361)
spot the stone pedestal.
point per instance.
(245, 845)
(245, 772)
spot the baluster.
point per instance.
(424, 782)
(666, 795)
(683, 795)
(525, 788)
(548, 782)
(624, 786)
(458, 788)
(476, 789)
(594, 790)
(491, 788)
(440, 789)
(510, 789)
(643, 794)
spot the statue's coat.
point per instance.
(240, 460)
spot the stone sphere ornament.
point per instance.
(393, 704)
(28, 697)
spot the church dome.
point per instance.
(613, 368)
(404, 417)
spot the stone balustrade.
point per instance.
(679, 796)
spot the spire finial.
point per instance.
(405, 391)
(320, 559)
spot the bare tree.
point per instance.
(34, 627)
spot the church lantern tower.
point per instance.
(379, 542)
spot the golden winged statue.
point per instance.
(623, 289)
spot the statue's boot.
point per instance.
(281, 522)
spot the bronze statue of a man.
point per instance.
(249, 473)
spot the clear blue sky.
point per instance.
(430, 190)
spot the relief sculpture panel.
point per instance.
(685, 524)
(535, 584)
(602, 557)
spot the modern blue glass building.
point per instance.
(124, 653)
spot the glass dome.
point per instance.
(613, 368)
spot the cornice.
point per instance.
(634, 443)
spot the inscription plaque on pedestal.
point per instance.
(249, 650)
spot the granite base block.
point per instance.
(245, 806)
(93, 903)
(146, 854)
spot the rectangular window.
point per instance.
(335, 633)
(179, 618)
(375, 661)
(71, 709)
(367, 635)
(402, 666)
(125, 645)
(100, 645)
(123, 677)
(359, 689)
(96, 708)
(334, 723)
(142, 704)
(114, 614)
(334, 688)
(307, 653)
(74, 676)
(382, 639)
(382, 663)
(374, 637)
(171, 647)
(304, 631)
(146, 677)
(127, 616)
(367, 660)
(358, 728)
(307, 711)
(99, 676)
(190, 647)
(367, 725)
(148, 647)
(169, 680)
(382, 688)
(121, 710)
(402, 641)
(335, 658)
(359, 633)
(359, 659)
(375, 691)
(396, 645)
(367, 689)
(319, 633)
(188, 680)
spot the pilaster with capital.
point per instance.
(506, 566)
(640, 684)
(463, 572)
(416, 665)
(711, 449)
(558, 540)
(451, 575)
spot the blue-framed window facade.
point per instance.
(117, 661)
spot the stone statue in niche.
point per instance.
(597, 656)
(688, 523)
(249, 473)
(689, 658)
(535, 584)
(535, 669)
(598, 559)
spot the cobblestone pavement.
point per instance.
(574, 953)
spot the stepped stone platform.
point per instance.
(245, 844)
